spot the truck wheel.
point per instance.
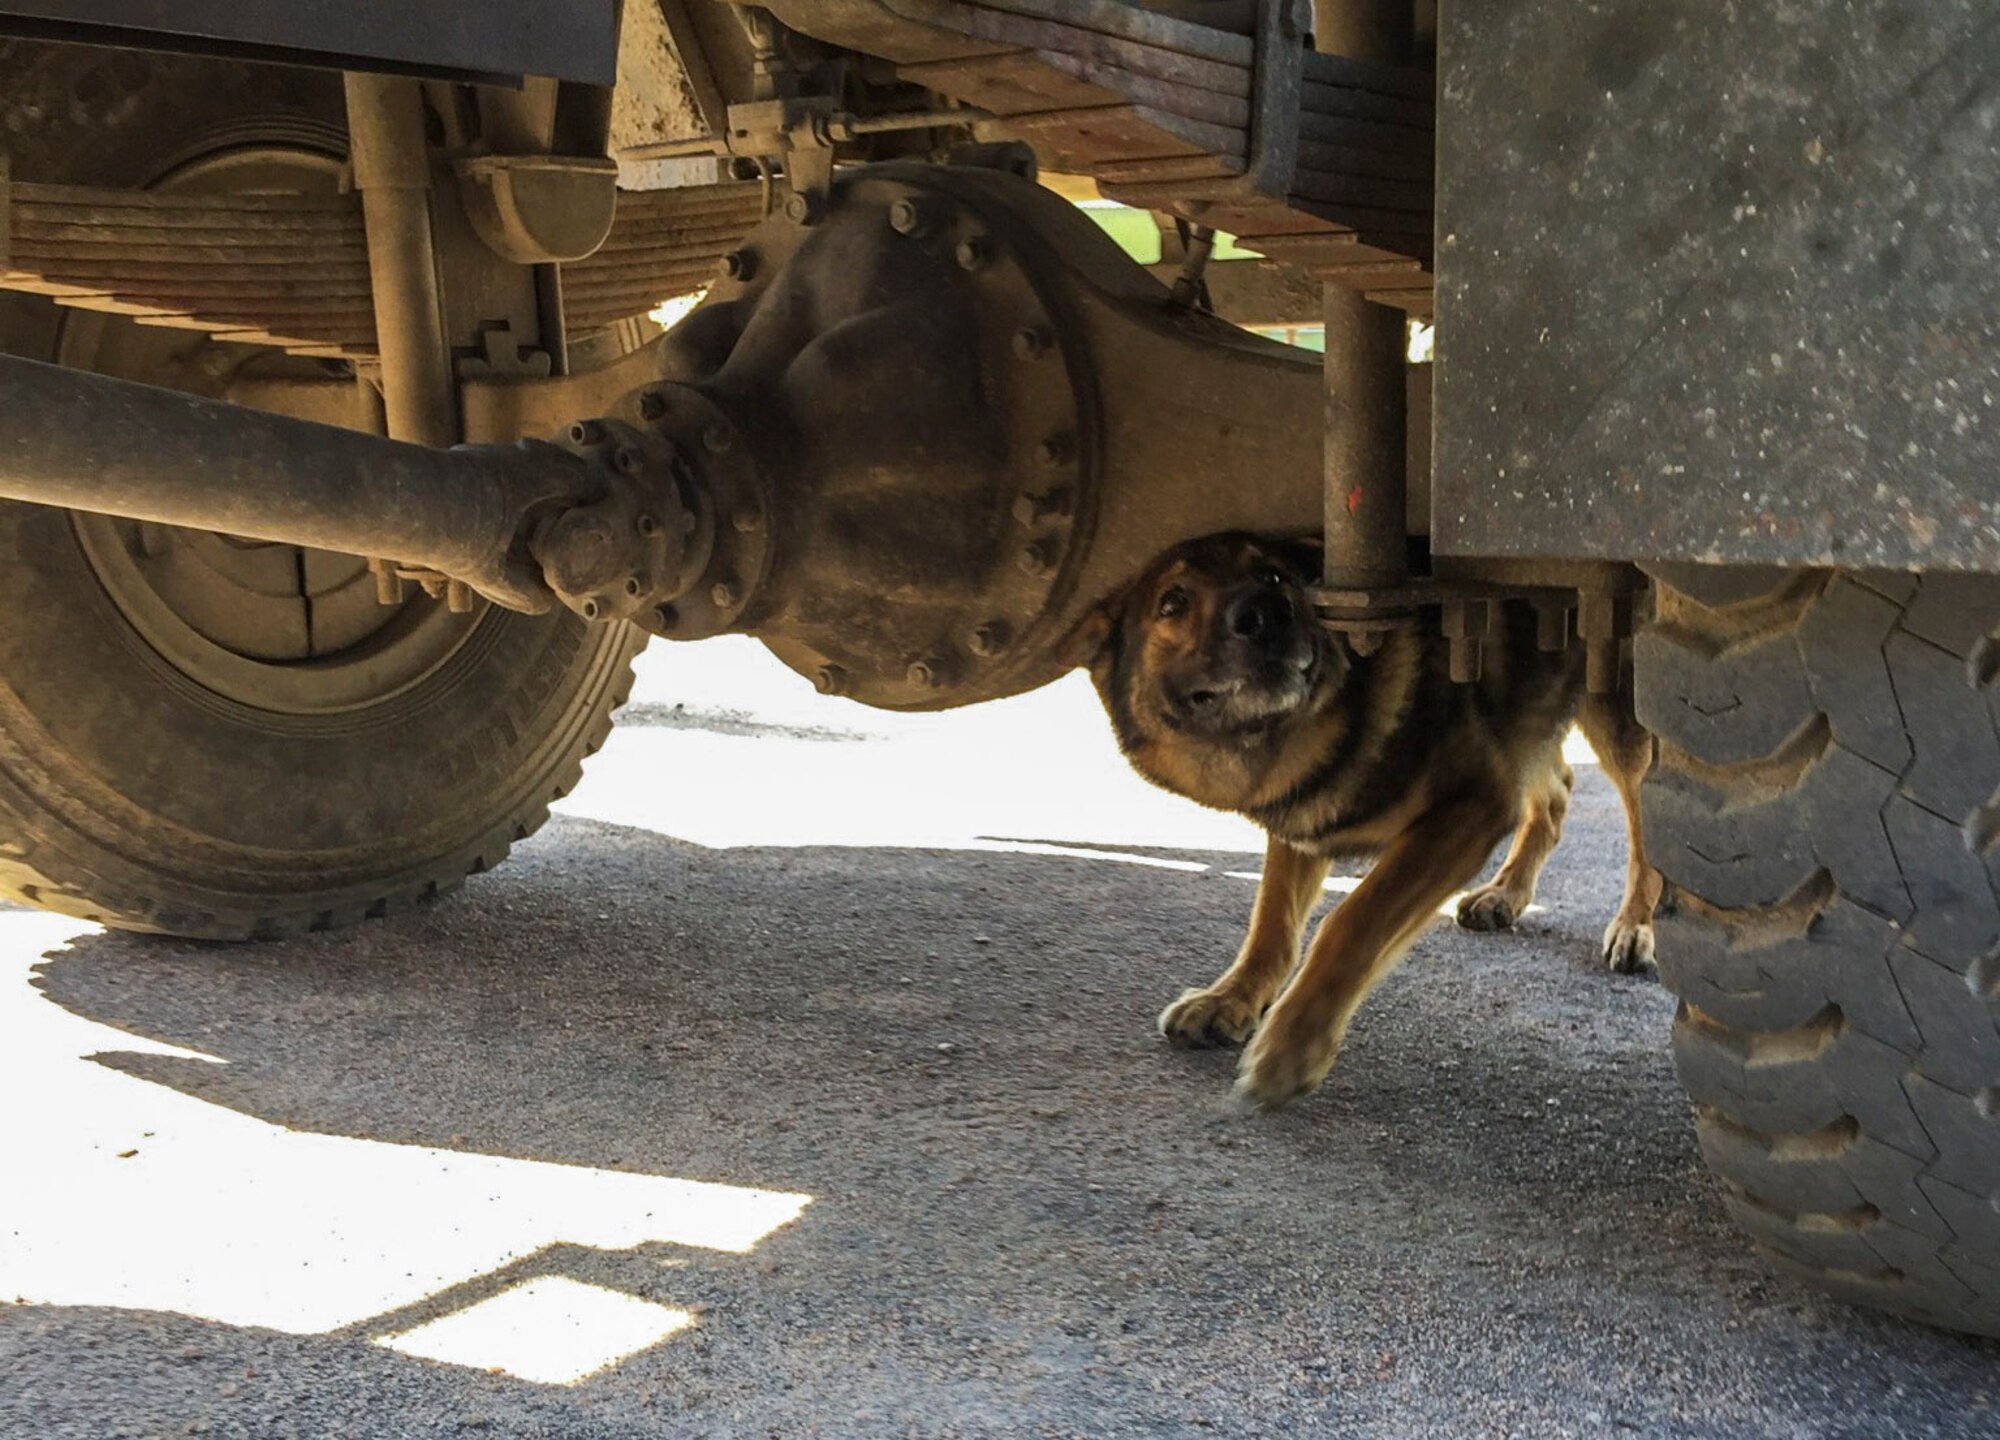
(212, 737)
(1824, 811)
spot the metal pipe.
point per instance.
(385, 125)
(1367, 354)
(89, 442)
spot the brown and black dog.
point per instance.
(1223, 687)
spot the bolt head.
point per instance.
(584, 432)
(1038, 558)
(723, 594)
(633, 585)
(627, 460)
(989, 639)
(830, 680)
(647, 526)
(747, 519)
(799, 209)
(666, 617)
(740, 264)
(1055, 450)
(973, 252)
(718, 439)
(652, 405)
(1031, 342)
(923, 673)
(907, 217)
(588, 608)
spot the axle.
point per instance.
(910, 440)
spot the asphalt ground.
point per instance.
(799, 1079)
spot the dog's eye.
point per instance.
(1173, 602)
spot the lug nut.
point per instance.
(1031, 342)
(1058, 449)
(926, 674)
(989, 639)
(830, 680)
(973, 252)
(588, 608)
(1031, 509)
(723, 594)
(747, 519)
(1038, 558)
(740, 264)
(652, 405)
(585, 432)
(633, 585)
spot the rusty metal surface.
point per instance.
(1720, 291)
(1158, 108)
(567, 39)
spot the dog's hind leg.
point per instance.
(1625, 748)
(1227, 1011)
(1357, 944)
(1503, 900)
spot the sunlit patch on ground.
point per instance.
(122, 1192)
(552, 1330)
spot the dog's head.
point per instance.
(1214, 643)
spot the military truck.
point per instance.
(348, 462)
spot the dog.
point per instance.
(1222, 686)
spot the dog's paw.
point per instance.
(1628, 948)
(1487, 908)
(1215, 1016)
(1279, 1067)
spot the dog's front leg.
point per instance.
(1357, 944)
(1228, 1010)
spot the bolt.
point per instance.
(587, 608)
(585, 432)
(1058, 449)
(830, 680)
(747, 519)
(739, 264)
(627, 460)
(909, 216)
(666, 617)
(652, 405)
(458, 597)
(718, 439)
(989, 639)
(926, 674)
(973, 252)
(1031, 509)
(723, 594)
(633, 585)
(1038, 558)
(800, 209)
(647, 526)
(1031, 342)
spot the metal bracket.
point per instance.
(1277, 89)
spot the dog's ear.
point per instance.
(1086, 644)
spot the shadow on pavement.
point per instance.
(968, 1191)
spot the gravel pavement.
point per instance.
(799, 1079)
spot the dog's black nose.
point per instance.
(1258, 615)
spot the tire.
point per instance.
(1824, 811)
(187, 777)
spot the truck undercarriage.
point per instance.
(335, 412)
